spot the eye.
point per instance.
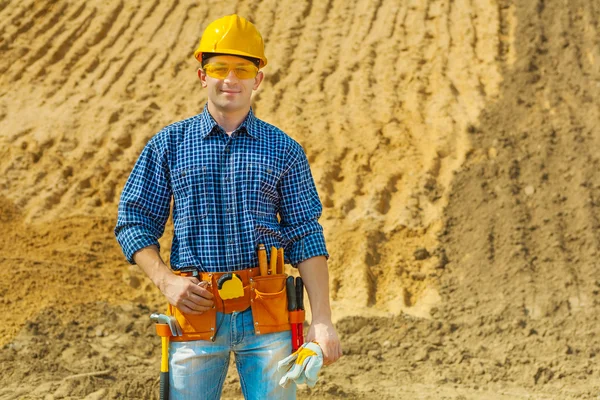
(219, 69)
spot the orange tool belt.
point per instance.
(266, 295)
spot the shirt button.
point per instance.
(230, 241)
(229, 210)
(228, 179)
(226, 149)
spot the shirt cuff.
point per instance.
(133, 240)
(311, 245)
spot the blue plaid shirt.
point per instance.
(227, 193)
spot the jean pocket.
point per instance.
(269, 304)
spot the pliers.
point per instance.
(295, 296)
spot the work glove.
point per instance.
(302, 366)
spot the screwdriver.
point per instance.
(262, 259)
(273, 265)
(280, 261)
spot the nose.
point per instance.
(231, 76)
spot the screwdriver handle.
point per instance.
(291, 293)
(273, 261)
(280, 261)
(262, 259)
(299, 294)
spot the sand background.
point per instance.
(454, 144)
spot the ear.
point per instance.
(202, 76)
(259, 78)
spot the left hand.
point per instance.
(323, 332)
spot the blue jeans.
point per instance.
(197, 369)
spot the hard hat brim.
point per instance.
(263, 61)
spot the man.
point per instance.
(235, 182)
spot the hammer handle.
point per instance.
(164, 386)
(164, 369)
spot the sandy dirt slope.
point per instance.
(454, 145)
(361, 85)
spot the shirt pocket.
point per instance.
(189, 192)
(262, 193)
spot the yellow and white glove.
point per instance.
(302, 366)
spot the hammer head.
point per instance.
(169, 320)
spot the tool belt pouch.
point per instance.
(268, 300)
(194, 327)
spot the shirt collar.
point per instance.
(208, 124)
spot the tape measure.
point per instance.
(230, 286)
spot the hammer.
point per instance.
(175, 330)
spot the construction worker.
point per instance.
(235, 181)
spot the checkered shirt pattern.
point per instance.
(229, 193)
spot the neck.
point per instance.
(228, 120)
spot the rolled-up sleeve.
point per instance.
(145, 204)
(300, 211)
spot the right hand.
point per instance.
(188, 294)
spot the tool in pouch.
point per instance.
(166, 327)
(262, 260)
(295, 297)
(268, 297)
(276, 261)
(230, 287)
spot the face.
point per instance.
(230, 93)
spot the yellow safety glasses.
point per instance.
(221, 70)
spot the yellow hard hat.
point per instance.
(233, 35)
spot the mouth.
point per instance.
(229, 91)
